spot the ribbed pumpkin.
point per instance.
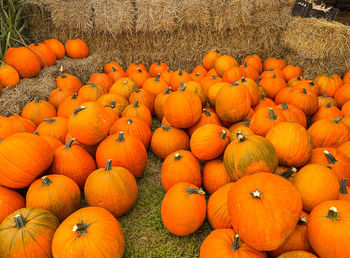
(196, 88)
(329, 229)
(75, 235)
(274, 63)
(56, 193)
(297, 240)
(58, 95)
(264, 209)
(10, 201)
(329, 83)
(143, 97)
(125, 150)
(183, 209)
(157, 68)
(255, 92)
(270, 73)
(182, 108)
(316, 183)
(346, 77)
(209, 141)
(324, 100)
(124, 87)
(160, 101)
(214, 90)
(254, 61)
(37, 110)
(249, 155)
(292, 143)
(223, 63)
(233, 74)
(233, 103)
(139, 76)
(119, 101)
(344, 190)
(140, 111)
(272, 86)
(166, 140)
(346, 109)
(73, 161)
(309, 85)
(208, 117)
(214, 175)
(21, 124)
(55, 127)
(91, 149)
(297, 254)
(209, 81)
(292, 71)
(90, 123)
(264, 119)
(225, 243)
(52, 141)
(46, 56)
(217, 209)
(109, 67)
(293, 81)
(264, 102)
(166, 76)
(112, 111)
(23, 157)
(28, 232)
(328, 111)
(23, 60)
(155, 85)
(344, 148)
(76, 48)
(119, 192)
(210, 57)
(329, 132)
(178, 77)
(249, 71)
(116, 74)
(199, 69)
(101, 79)
(66, 80)
(9, 77)
(342, 95)
(91, 91)
(293, 113)
(67, 106)
(333, 158)
(56, 46)
(180, 166)
(6, 127)
(134, 66)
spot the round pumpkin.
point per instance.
(249, 71)
(223, 63)
(292, 71)
(37, 110)
(55, 127)
(329, 83)
(264, 119)
(342, 95)
(101, 79)
(272, 86)
(139, 76)
(178, 77)
(297, 254)
(214, 175)
(109, 67)
(76, 48)
(308, 85)
(140, 111)
(119, 101)
(210, 57)
(254, 61)
(9, 77)
(157, 68)
(208, 117)
(91, 91)
(327, 111)
(274, 63)
(67, 106)
(160, 101)
(116, 74)
(58, 95)
(46, 56)
(324, 100)
(293, 113)
(143, 97)
(66, 80)
(10, 201)
(155, 86)
(56, 46)
(344, 148)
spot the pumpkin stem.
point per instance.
(180, 72)
(157, 78)
(285, 107)
(69, 143)
(139, 70)
(74, 96)
(197, 74)
(194, 191)
(217, 51)
(206, 112)
(329, 104)
(214, 77)
(112, 104)
(304, 91)
(137, 62)
(120, 137)
(81, 228)
(7, 114)
(166, 128)
(234, 84)
(183, 86)
(129, 121)
(167, 91)
(272, 114)
(20, 221)
(274, 76)
(78, 109)
(50, 120)
(37, 100)
(337, 120)
(46, 181)
(177, 156)
(136, 104)
(333, 214)
(245, 64)
(108, 166)
(113, 69)
(243, 79)
(158, 62)
(36, 42)
(137, 90)
(241, 137)
(168, 70)
(235, 245)
(311, 83)
(269, 69)
(61, 73)
(288, 173)
(223, 134)
(258, 80)
(92, 84)
(0, 140)
(256, 194)
(343, 189)
(125, 82)
(302, 220)
(36, 133)
(248, 122)
(324, 95)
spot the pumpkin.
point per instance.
(119, 101)
(233, 103)
(249, 155)
(139, 76)
(28, 232)
(297, 240)
(293, 81)
(55, 127)
(209, 81)
(21, 124)
(85, 226)
(214, 175)
(316, 183)
(67, 106)
(334, 159)
(143, 97)
(134, 66)
(214, 90)
(293, 113)
(344, 148)
(328, 111)
(342, 95)
(6, 128)
(90, 123)
(182, 108)
(253, 60)
(264, 119)
(76, 48)
(91, 149)
(324, 100)
(264, 102)
(180, 166)
(23, 157)
(56, 193)
(346, 77)
(270, 73)
(9, 77)
(52, 141)
(113, 111)
(346, 109)
(166, 76)
(91, 91)
(125, 150)
(102, 79)
(115, 74)
(56, 47)
(119, 189)
(124, 87)
(140, 111)
(272, 86)
(328, 228)
(199, 69)
(209, 141)
(196, 88)
(212, 72)
(178, 77)
(208, 117)
(46, 56)
(264, 210)
(274, 63)
(233, 74)
(183, 209)
(309, 85)
(292, 143)
(329, 132)
(133, 126)
(155, 86)
(73, 161)
(297, 254)
(292, 71)
(160, 101)
(344, 190)
(157, 68)
(58, 95)
(23, 60)
(210, 57)
(329, 83)
(249, 71)
(37, 110)
(107, 68)
(166, 140)
(166, 122)
(223, 63)
(255, 92)
(10, 201)
(244, 130)
(285, 172)
(66, 80)
(225, 243)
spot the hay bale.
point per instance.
(113, 16)
(195, 13)
(317, 39)
(156, 15)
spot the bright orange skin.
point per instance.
(57, 127)
(66, 80)
(159, 103)
(46, 56)
(233, 74)
(57, 47)
(38, 111)
(262, 121)
(21, 124)
(325, 112)
(346, 78)
(66, 242)
(139, 76)
(10, 201)
(272, 86)
(58, 95)
(324, 100)
(183, 213)
(6, 127)
(218, 244)
(251, 217)
(264, 102)
(119, 101)
(9, 77)
(183, 169)
(34, 239)
(344, 148)
(292, 71)
(196, 88)
(76, 48)
(116, 74)
(213, 92)
(274, 63)
(157, 68)
(309, 85)
(210, 57)
(333, 241)
(102, 79)
(166, 76)
(293, 113)
(108, 67)
(52, 141)
(329, 83)
(223, 63)
(134, 66)
(144, 97)
(124, 87)
(61, 197)
(91, 92)
(316, 188)
(208, 117)
(200, 69)
(155, 86)
(342, 95)
(255, 92)
(293, 81)
(177, 77)
(297, 254)
(209, 81)
(139, 111)
(346, 109)
(253, 61)
(67, 106)
(214, 176)
(270, 73)
(250, 72)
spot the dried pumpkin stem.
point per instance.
(36, 133)
(78, 109)
(337, 120)
(324, 95)
(343, 189)
(223, 134)
(158, 62)
(167, 91)
(108, 166)
(46, 181)
(177, 156)
(129, 121)
(36, 99)
(92, 84)
(50, 120)
(333, 214)
(285, 106)
(112, 105)
(157, 78)
(166, 128)
(137, 90)
(113, 69)
(183, 86)
(302, 221)
(243, 79)
(304, 91)
(235, 245)
(241, 137)
(329, 104)
(214, 77)
(136, 104)
(180, 72)
(331, 159)
(19, 221)
(194, 191)
(121, 137)
(81, 228)
(288, 173)
(206, 112)
(272, 114)
(74, 96)
(69, 143)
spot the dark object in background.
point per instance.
(318, 10)
(343, 5)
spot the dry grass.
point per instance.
(195, 12)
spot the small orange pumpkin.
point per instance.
(77, 48)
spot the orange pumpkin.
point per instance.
(6, 128)
(309, 85)
(139, 76)
(329, 83)
(293, 113)
(270, 73)
(292, 71)
(134, 66)
(214, 175)
(56, 47)
(255, 92)
(264, 119)
(58, 95)
(123, 86)
(274, 63)
(293, 81)
(66, 80)
(76, 48)
(37, 110)
(91, 91)
(178, 77)
(21, 124)
(324, 100)
(209, 81)
(56, 127)
(324, 112)
(52, 141)
(253, 60)
(249, 71)
(101, 79)
(272, 86)
(264, 102)
(67, 106)
(140, 111)
(210, 57)
(9, 77)
(157, 68)
(344, 148)
(10, 201)
(160, 101)
(342, 95)
(208, 117)
(46, 56)
(109, 67)
(233, 74)
(297, 254)
(214, 90)
(196, 88)
(143, 97)
(155, 86)
(166, 76)
(119, 101)
(223, 63)
(115, 74)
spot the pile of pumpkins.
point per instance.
(270, 148)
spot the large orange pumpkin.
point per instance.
(10, 201)
(46, 56)
(264, 119)
(120, 102)
(308, 85)
(123, 86)
(109, 67)
(160, 101)
(55, 127)
(214, 175)
(208, 117)
(57, 47)
(324, 100)
(76, 48)
(6, 127)
(251, 85)
(139, 76)
(116, 74)
(178, 77)
(329, 83)
(37, 110)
